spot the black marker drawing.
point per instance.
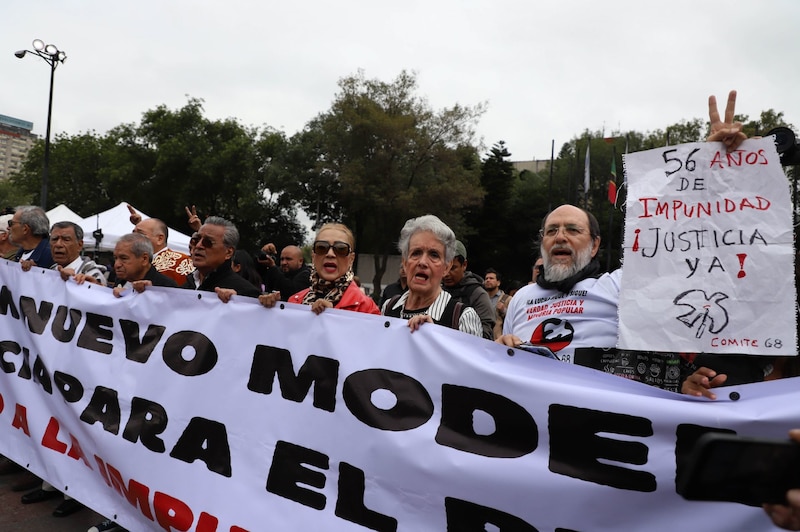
(705, 312)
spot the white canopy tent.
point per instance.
(62, 213)
(114, 223)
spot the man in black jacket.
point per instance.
(291, 276)
(133, 267)
(211, 255)
(467, 287)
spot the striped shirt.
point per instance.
(469, 322)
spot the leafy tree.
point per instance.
(74, 165)
(173, 158)
(491, 245)
(381, 155)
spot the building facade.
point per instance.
(16, 140)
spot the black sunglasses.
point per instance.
(207, 242)
(341, 249)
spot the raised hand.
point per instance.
(194, 220)
(728, 132)
(135, 216)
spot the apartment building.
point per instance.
(15, 141)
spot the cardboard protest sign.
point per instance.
(709, 251)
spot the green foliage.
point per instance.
(172, 159)
(377, 157)
(492, 242)
(381, 155)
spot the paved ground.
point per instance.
(18, 517)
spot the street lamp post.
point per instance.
(52, 56)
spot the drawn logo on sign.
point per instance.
(705, 312)
(554, 332)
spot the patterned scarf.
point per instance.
(329, 290)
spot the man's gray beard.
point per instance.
(559, 272)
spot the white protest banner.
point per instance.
(709, 251)
(169, 410)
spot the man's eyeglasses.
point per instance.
(570, 229)
(11, 223)
(207, 242)
(341, 249)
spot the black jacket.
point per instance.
(224, 277)
(158, 278)
(287, 283)
(152, 275)
(471, 293)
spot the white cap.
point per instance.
(4, 222)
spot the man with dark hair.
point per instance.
(396, 288)
(467, 287)
(28, 229)
(216, 243)
(66, 243)
(499, 299)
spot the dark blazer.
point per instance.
(41, 254)
(159, 279)
(224, 277)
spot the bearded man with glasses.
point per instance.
(571, 305)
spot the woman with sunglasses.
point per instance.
(332, 283)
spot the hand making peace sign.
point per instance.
(728, 132)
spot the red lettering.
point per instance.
(2, 403)
(735, 158)
(136, 493)
(75, 451)
(730, 206)
(171, 512)
(50, 439)
(735, 342)
(717, 160)
(677, 205)
(645, 201)
(21, 420)
(102, 466)
(206, 523)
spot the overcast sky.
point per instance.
(546, 69)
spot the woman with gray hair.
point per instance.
(428, 246)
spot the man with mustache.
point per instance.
(571, 305)
(212, 250)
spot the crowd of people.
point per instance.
(434, 286)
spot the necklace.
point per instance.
(408, 314)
